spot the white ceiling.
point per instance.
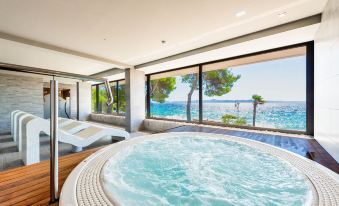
(23, 54)
(274, 41)
(131, 31)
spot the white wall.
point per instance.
(326, 84)
(135, 99)
(73, 100)
(84, 101)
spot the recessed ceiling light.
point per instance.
(240, 13)
(281, 15)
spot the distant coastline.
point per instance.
(290, 115)
(232, 101)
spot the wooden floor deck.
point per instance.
(29, 185)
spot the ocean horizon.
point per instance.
(233, 101)
(289, 115)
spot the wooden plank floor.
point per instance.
(29, 185)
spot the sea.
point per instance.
(289, 115)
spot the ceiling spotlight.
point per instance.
(281, 15)
(240, 13)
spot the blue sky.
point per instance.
(283, 79)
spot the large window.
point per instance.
(103, 98)
(263, 90)
(122, 100)
(174, 95)
(271, 90)
(266, 90)
(100, 98)
(94, 100)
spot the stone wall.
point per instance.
(326, 83)
(152, 125)
(109, 119)
(19, 93)
(161, 125)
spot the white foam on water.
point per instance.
(202, 171)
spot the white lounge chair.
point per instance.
(17, 118)
(90, 135)
(18, 132)
(86, 135)
(74, 127)
(12, 121)
(64, 121)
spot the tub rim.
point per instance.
(325, 182)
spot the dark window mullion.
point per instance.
(200, 95)
(148, 96)
(310, 88)
(118, 96)
(97, 98)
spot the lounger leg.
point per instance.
(115, 139)
(76, 149)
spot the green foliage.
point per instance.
(215, 83)
(122, 99)
(219, 82)
(93, 91)
(228, 118)
(112, 108)
(190, 78)
(240, 121)
(257, 99)
(233, 120)
(161, 88)
(103, 98)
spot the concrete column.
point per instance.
(85, 107)
(135, 99)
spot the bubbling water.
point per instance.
(201, 171)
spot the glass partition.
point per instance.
(103, 98)
(266, 90)
(174, 95)
(99, 101)
(122, 99)
(26, 98)
(94, 98)
(113, 107)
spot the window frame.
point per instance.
(309, 90)
(97, 106)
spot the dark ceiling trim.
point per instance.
(108, 72)
(315, 19)
(34, 70)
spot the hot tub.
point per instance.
(198, 169)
